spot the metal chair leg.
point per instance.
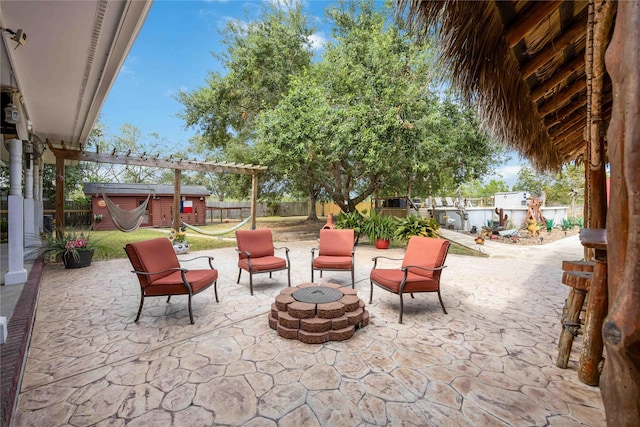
(441, 303)
(140, 308)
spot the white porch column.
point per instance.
(37, 195)
(17, 273)
(31, 234)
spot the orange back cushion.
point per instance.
(258, 242)
(335, 242)
(426, 252)
(152, 255)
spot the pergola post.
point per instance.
(254, 198)
(177, 177)
(59, 196)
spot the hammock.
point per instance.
(217, 232)
(123, 219)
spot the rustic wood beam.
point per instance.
(553, 48)
(577, 64)
(578, 122)
(620, 384)
(560, 98)
(537, 12)
(562, 114)
(570, 139)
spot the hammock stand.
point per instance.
(125, 220)
(217, 232)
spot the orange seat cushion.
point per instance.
(391, 278)
(266, 263)
(173, 284)
(333, 262)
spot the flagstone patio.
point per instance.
(490, 361)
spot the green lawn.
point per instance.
(111, 243)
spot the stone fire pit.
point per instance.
(316, 313)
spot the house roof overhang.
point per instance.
(70, 59)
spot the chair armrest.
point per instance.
(313, 252)
(149, 273)
(247, 253)
(286, 253)
(209, 258)
(406, 268)
(375, 259)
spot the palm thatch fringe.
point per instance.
(482, 66)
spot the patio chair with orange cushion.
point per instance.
(160, 274)
(335, 252)
(256, 254)
(420, 272)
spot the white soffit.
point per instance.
(72, 55)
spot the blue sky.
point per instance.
(173, 52)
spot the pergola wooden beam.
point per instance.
(178, 165)
(166, 163)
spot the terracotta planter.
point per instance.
(382, 244)
(84, 259)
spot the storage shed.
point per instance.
(159, 211)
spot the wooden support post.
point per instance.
(589, 368)
(59, 196)
(254, 199)
(579, 283)
(620, 383)
(177, 174)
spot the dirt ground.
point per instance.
(288, 230)
(543, 238)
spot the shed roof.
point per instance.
(523, 65)
(93, 188)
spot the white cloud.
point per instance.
(317, 41)
(506, 173)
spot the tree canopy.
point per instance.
(369, 116)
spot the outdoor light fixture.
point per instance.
(18, 36)
(11, 114)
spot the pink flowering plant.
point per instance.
(69, 242)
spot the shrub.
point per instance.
(415, 225)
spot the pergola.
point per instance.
(63, 153)
(537, 72)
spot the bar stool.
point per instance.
(577, 275)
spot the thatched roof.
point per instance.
(523, 64)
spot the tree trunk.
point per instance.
(312, 215)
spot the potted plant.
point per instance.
(351, 220)
(75, 248)
(416, 225)
(380, 229)
(179, 240)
